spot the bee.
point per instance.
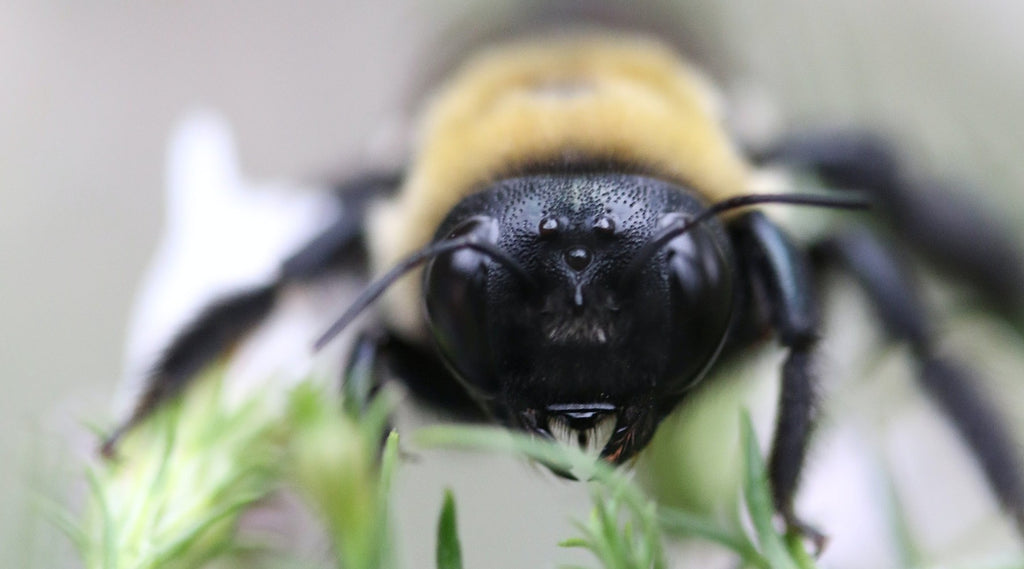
(577, 243)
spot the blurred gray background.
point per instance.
(89, 91)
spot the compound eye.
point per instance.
(455, 292)
(702, 296)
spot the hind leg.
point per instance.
(951, 385)
(936, 221)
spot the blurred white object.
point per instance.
(222, 234)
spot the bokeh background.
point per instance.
(90, 90)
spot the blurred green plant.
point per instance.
(175, 495)
(337, 465)
(449, 550)
(625, 529)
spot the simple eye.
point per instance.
(548, 227)
(605, 225)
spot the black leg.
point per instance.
(224, 323)
(377, 353)
(950, 384)
(362, 378)
(930, 216)
(782, 276)
(429, 380)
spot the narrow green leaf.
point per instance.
(449, 552)
(692, 525)
(107, 529)
(759, 501)
(389, 463)
(903, 535)
(798, 551)
(616, 499)
(189, 534)
(496, 439)
(607, 527)
(64, 520)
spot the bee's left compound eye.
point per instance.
(701, 302)
(455, 286)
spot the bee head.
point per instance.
(585, 333)
(580, 306)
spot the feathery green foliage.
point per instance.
(625, 528)
(175, 496)
(182, 480)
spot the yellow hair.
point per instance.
(629, 100)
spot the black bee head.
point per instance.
(580, 306)
(588, 328)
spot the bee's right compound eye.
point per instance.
(455, 290)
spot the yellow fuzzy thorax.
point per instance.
(626, 100)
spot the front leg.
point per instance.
(377, 355)
(781, 277)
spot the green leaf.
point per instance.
(389, 463)
(798, 551)
(759, 501)
(64, 521)
(617, 501)
(693, 525)
(449, 552)
(107, 527)
(901, 530)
